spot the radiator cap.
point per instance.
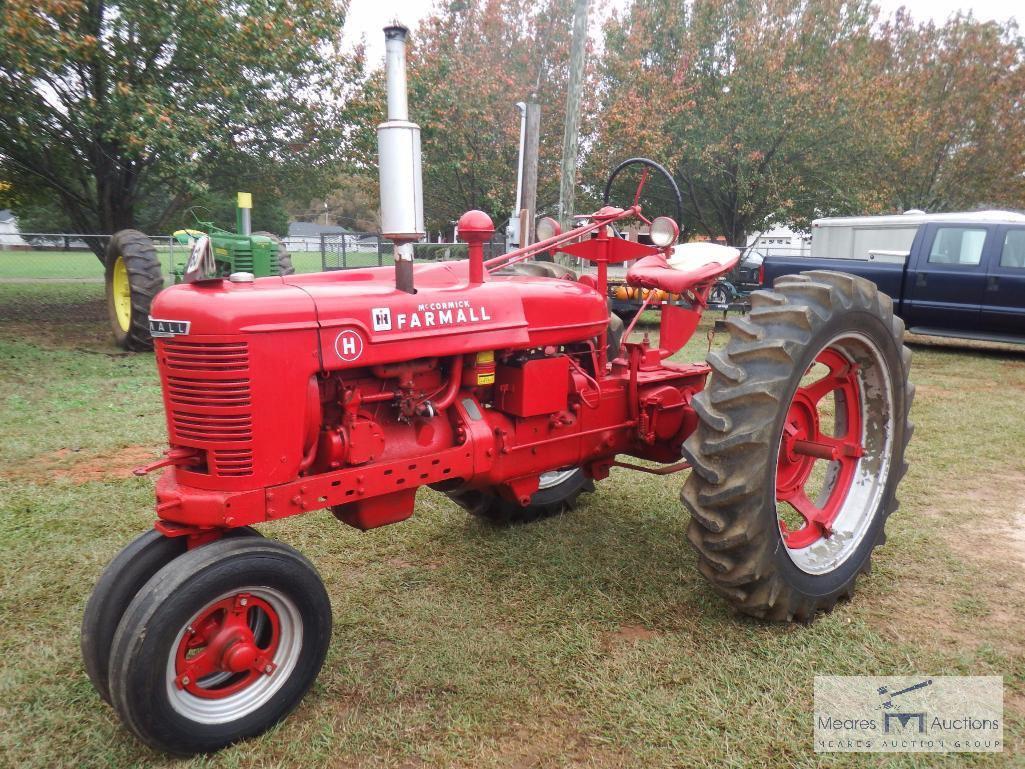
(241, 277)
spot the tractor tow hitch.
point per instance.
(177, 457)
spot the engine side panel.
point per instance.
(379, 326)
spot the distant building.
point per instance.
(780, 241)
(305, 236)
(10, 236)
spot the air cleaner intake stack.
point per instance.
(398, 145)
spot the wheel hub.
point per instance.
(228, 647)
(802, 424)
(240, 656)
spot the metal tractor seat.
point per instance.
(690, 265)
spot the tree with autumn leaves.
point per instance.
(470, 62)
(767, 111)
(950, 100)
(779, 111)
(124, 111)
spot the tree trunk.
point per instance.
(737, 238)
(115, 199)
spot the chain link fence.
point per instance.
(49, 276)
(360, 249)
(39, 256)
(30, 257)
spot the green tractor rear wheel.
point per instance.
(133, 278)
(285, 266)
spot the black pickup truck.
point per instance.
(962, 278)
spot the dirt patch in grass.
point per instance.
(997, 516)
(119, 464)
(1015, 533)
(91, 336)
(975, 593)
(628, 634)
(77, 467)
(554, 741)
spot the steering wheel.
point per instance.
(640, 181)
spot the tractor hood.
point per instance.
(361, 318)
(219, 308)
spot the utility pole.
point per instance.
(530, 144)
(571, 136)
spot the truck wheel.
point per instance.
(722, 294)
(117, 586)
(133, 278)
(221, 644)
(557, 491)
(626, 317)
(800, 445)
(284, 258)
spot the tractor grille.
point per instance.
(243, 260)
(211, 406)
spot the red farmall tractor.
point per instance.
(510, 392)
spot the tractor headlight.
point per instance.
(547, 228)
(663, 232)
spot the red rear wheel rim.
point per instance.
(804, 443)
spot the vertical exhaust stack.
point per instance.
(398, 146)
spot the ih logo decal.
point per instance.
(349, 345)
(382, 318)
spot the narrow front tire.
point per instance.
(220, 645)
(117, 586)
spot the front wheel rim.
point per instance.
(234, 655)
(835, 482)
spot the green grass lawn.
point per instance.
(585, 640)
(25, 264)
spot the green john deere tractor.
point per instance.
(134, 273)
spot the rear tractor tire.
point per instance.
(557, 492)
(220, 645)
(800, 445)
(133, 277)
(285, 266)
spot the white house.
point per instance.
(10, 236)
